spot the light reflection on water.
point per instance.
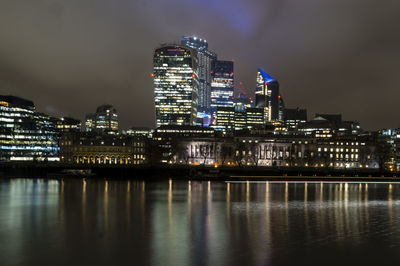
(110, 222)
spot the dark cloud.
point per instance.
(329, 56)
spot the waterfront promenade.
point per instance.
(162, 171)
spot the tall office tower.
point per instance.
(176, 85)
(205, 59)
(106, 119)
(26, 135)
(267, 95)
(222, 84)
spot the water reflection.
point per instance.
(108, 222)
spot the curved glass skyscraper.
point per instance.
(176, 85)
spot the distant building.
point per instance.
(91, 148)
(105, 120)
(176, 85)
(243, 100)
(281, 108)
(139, 132)
(205, 59)
(238, 118)
(294, 117)
(67, 124)
(335, 119)
(26, 135)
(90, 122)
(329, 125)
(388, 141)
(222, 84)
(224, 119)
(267, 96)
(254, 118)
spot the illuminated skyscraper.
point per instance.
(222, 84)
(205, 59)
(26, 135)
(176, 85)
(267, 96)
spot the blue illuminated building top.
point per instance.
(267, 78)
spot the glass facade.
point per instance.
(26, 135)
(255, 117)
(205, 59)
(267, 96)
(104, 120)
(222, 85)
(176, 85)
(90, 123)
(238, 118)
(243, 101)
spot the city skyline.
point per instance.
(322, 64)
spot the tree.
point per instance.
(181, 151)
(239, 157)
(204, 153)
(254, 149)
(225, 152)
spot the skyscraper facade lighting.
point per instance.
(267, 95)
(205, 59)
(176, 85)
(222, 84)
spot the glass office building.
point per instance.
(205, 58)
(176, 85)
(105, 120)
(26, 135)
(222, 84)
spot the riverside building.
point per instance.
(26, 135)
(176, 85)
(91, 148)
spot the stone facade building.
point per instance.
(87, 148)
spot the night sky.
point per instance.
(337, 56)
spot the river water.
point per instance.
(129, 222)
